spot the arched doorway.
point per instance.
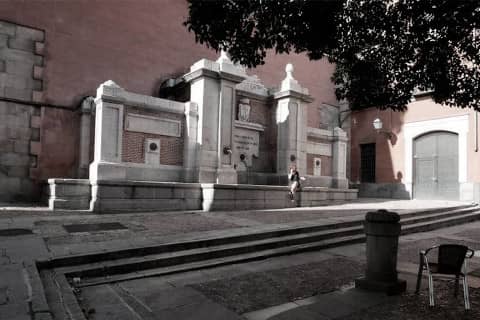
(435, 166)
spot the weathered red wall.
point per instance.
(136, 43)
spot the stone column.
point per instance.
(291, 118)
(84, 147)
(339, 159)
(190, 142)
(382, 229)
(212, 88)
(108, 131)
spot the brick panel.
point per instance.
(326, 164)
(171, 148)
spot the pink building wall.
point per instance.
(390, 155)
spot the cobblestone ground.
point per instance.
(416, 307)
(261, 290)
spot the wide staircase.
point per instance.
(236, 247)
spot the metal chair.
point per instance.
(451, 261)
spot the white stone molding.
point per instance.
(319, 133)
(111, 92)
(205, 64)
(323, 149)
(223, 67)
(249, 125)
(252, 84)
(155, 125)
(456, 124)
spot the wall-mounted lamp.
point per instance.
(378, 125)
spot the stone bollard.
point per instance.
(382, 229)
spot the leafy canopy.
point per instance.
(383, 50)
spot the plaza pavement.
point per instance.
(255, 290)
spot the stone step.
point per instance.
(166, 260)
(436, 215)
(441, 223)
(190, 255)
(272, 252)
(313, 231)
(216, 262)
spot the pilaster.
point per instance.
(86, 110)
(291, 115)
(212, 88)
(339, 161)
(108, 128)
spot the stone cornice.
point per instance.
(293, 94)
(111, 92)
(249, 125)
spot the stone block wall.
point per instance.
(21, 62)
(171, 148)
(21, 80)
(19, 147)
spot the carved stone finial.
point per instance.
(289, 70)
(224, 58)
(110, 83)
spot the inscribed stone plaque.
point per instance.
(155, 125)
(245, 142)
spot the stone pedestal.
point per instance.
(339, 161)
(382, 229)
(212, 87)
(291, 119)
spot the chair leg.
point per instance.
(430, 290)
(419, 276)
(457, 280)
(465, 293)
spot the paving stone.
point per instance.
(260, 290)
(300, 313)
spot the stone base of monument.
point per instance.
(390, 288)
(68, 194)
(121, 196)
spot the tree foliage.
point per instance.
(383, 50)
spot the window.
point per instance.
(367, 162)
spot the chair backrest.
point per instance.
(450, 258)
